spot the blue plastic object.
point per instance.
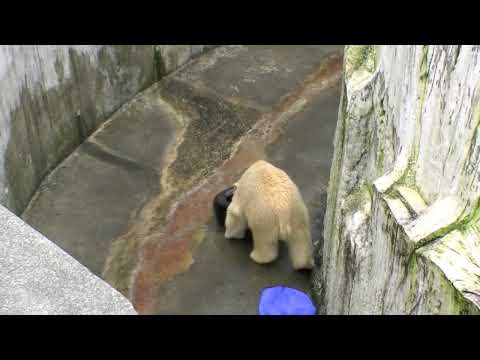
(282, 300)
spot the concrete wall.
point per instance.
(51, 99)
(54, 96)
(37, 277)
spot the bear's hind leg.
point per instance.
(301, 250)
(265, 246)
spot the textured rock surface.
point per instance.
(401, 228)
(37, 277)
(54, 96)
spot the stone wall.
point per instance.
(401, 228)
(54, 96)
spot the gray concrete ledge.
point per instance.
(37, 277)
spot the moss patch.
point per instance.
(360, 57)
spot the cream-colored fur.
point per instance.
(268, 202)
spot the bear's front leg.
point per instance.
(265, 246)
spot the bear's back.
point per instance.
(263, 183)
(268, 195)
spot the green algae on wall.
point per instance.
(357, 56)
(360, 58)
(58, 95)
(49, 122)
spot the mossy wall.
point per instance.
(54, 96)
(400, 227)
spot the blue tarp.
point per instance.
(282, 300)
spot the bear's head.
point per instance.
(235, 224)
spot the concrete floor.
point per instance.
(133, 203)
(223, 279)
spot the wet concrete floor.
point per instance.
(133, 203)
(223, 279)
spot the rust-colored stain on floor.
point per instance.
(170, 252)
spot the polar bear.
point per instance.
(268, 202)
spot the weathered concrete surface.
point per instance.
(54, 96)
(259, 76)
(171, 243)
(37, 277)
(91, 197)
(222, 278)
(171, 57)
(401, 224)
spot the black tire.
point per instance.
(221, 203)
